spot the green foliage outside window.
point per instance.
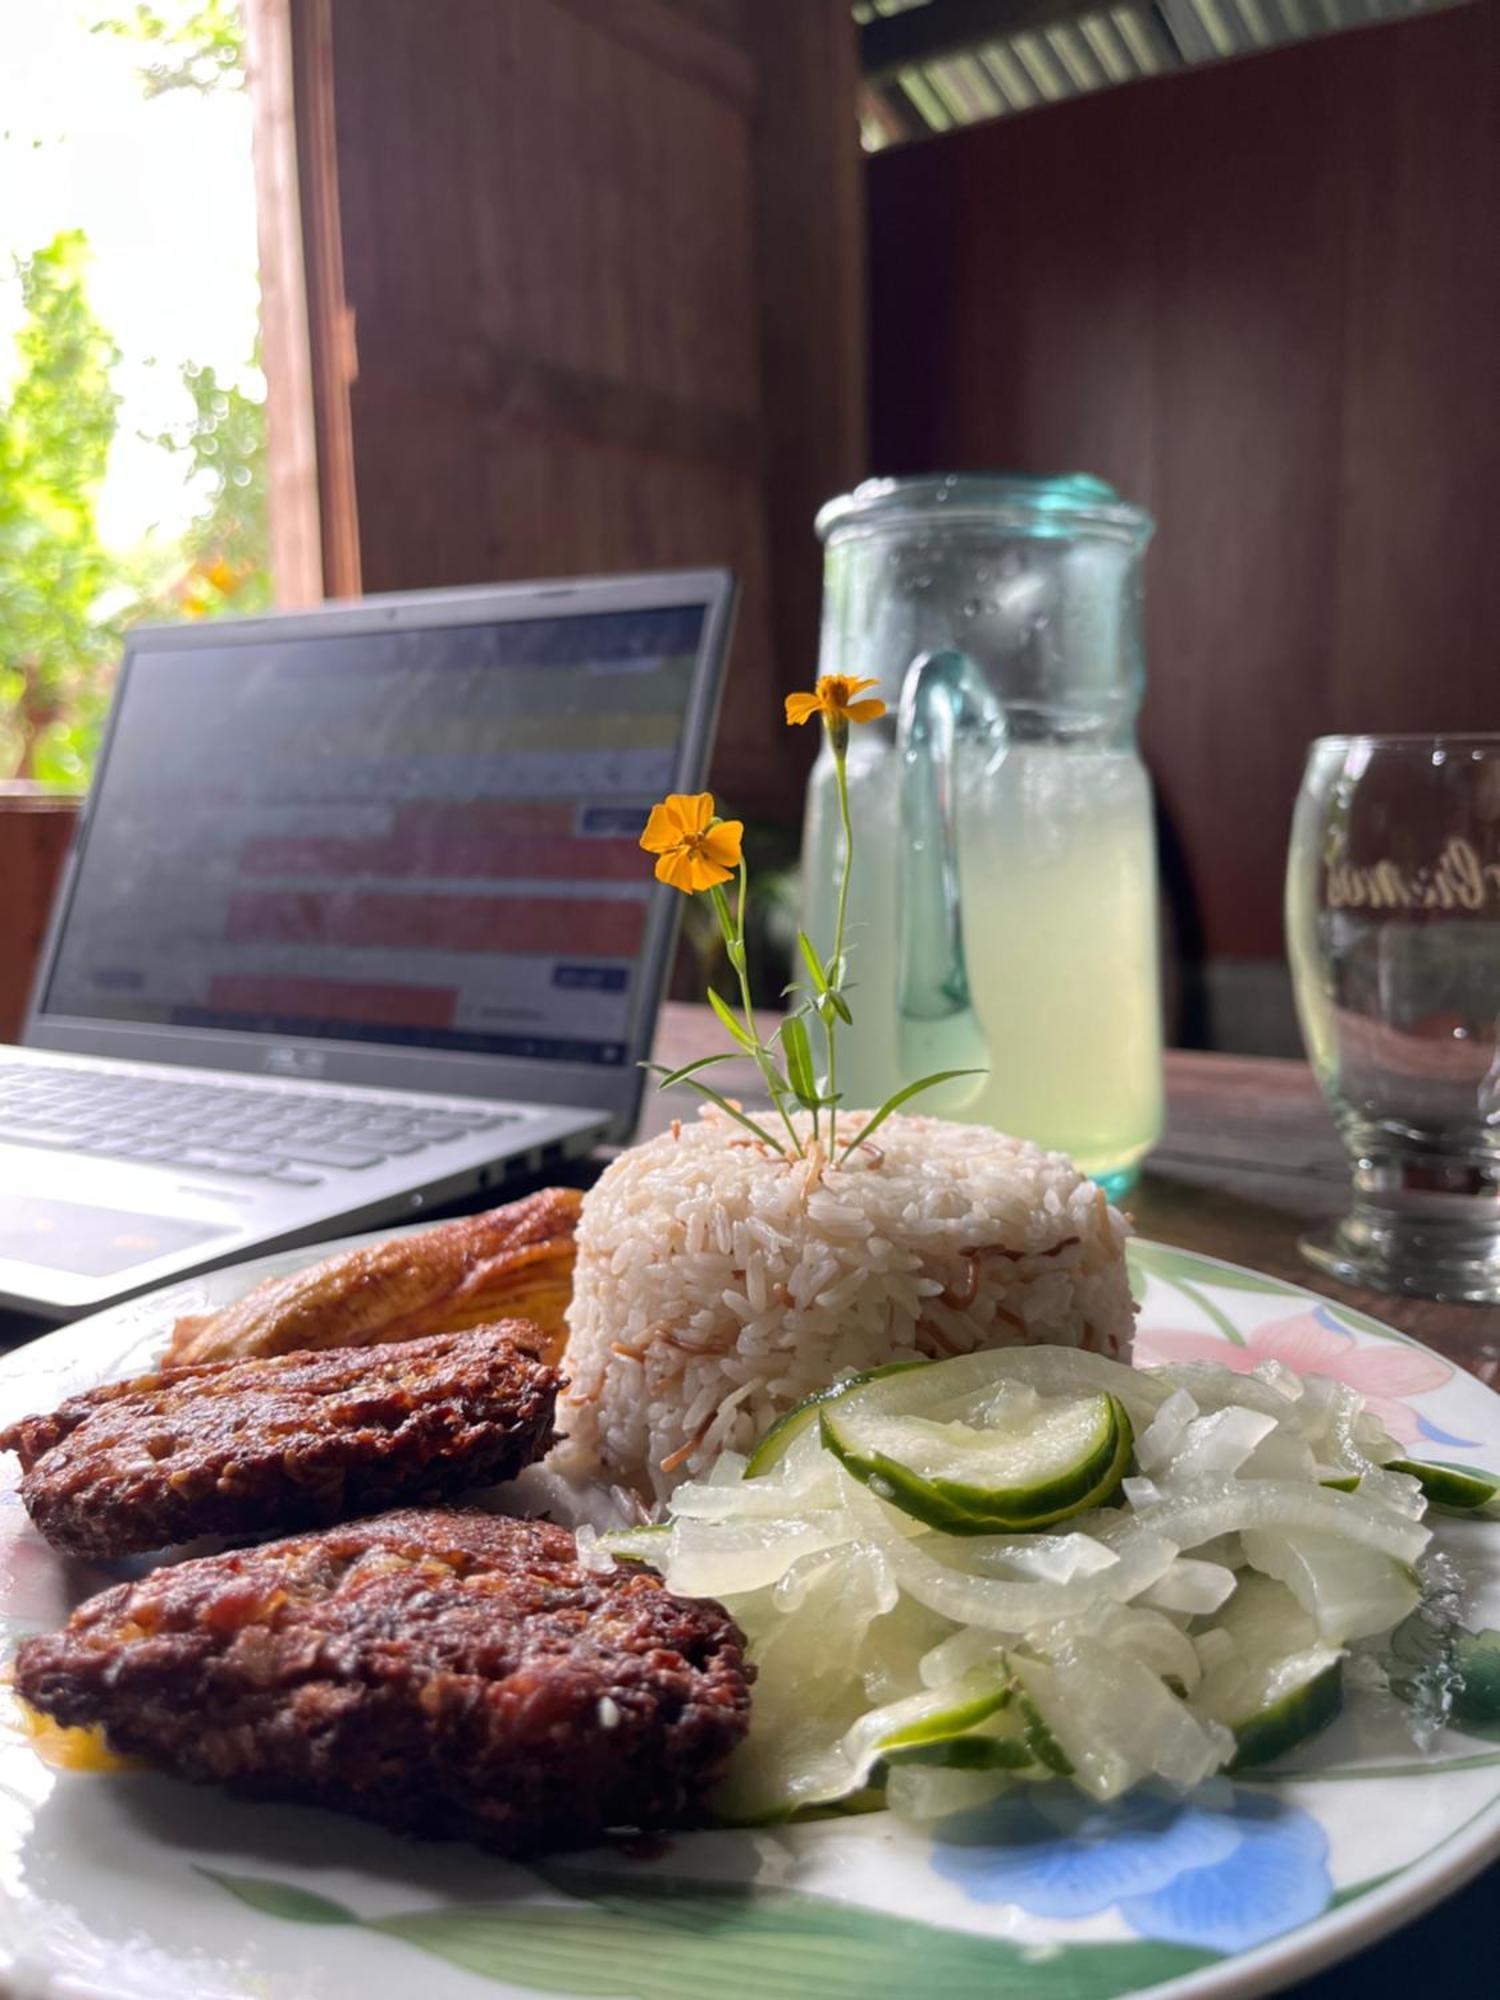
(56, 427)
(66, 599)
(198, 48)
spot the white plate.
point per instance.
(140, 1886)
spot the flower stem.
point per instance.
(840, 768)
(734, 939)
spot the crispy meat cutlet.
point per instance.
(291, 1441)
(514, 1262)
(447, 1673)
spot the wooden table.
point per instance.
(1249, 1160)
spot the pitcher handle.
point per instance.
(943, 692)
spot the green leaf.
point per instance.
(736, 1028)
(799, 1062)
(282, 1899)
(840, 1006)
(671, 1076)
(894, 1103)
(814, 963)
(740, 1118)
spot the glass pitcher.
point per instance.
(1002, 910)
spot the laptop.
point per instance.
(355, 923)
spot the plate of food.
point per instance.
(828, 1556)
(1069, 1675)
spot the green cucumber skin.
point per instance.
(1042, 1744)
(768, 1453)
(965, 1753)
(1262, 1738)
(1449, 1492)
(967, 1510)
(936, 1730)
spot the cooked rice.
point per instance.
(718, 1284)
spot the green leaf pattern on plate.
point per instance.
(282, 1899)
(677, 1939)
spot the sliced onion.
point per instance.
(995, 1606)
(1231, 1506)
(1349, 1592)
(1191, 1587)
(859, 1614)
(1158, 1444)
(1040, 1558)
(1216, 1446)
(1118, 1722)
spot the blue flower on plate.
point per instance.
(1224, 1869)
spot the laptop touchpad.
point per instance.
(92, 1242)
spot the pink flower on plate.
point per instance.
(1311, 1344)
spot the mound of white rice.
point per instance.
(718, 1284)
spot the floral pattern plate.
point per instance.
(135, 1887)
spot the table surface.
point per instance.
(1248, 1162)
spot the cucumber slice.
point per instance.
(1040, 1741)
(965, 1753)
(1447, 1488)
(788, 1427)
(937, 1717)
(1280, 1685)
(1306, 1707)
(1005, 1463)
(965, 1725)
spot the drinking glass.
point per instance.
(1393, 931)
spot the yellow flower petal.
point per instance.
(707, 874)
(697, 809)
(720, 846)
(677, 868)
(858, 686)
(662, 830)
(865, 711)
(801, 707)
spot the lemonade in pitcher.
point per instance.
(1002, 913)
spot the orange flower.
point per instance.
(695, 850)
(835, 699)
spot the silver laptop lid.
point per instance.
(392, 842)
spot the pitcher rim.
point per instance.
(1041, 505)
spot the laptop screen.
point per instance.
(421, 837)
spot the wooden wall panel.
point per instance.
(291, 417)
(1264, 300)
(576, 275)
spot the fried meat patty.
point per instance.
(288, 1441)
(444, 1672)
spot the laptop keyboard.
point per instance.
(293, 1138)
